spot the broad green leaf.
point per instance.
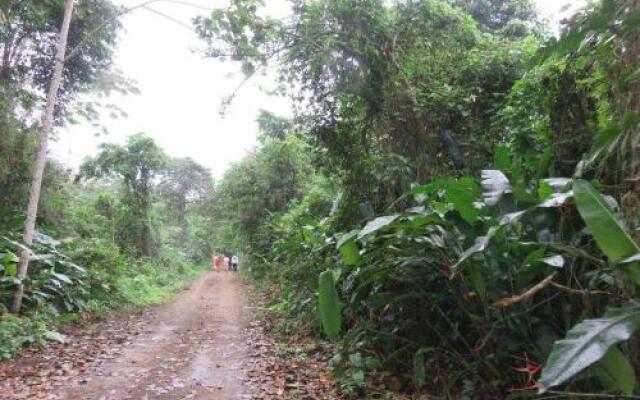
(376, 224)
(502, 158)
(356, 360)
(349, 253)
(480, 244)
(536, 263)
(346, 237)
(631, 259)
(348, 248)
(586, 343)
(419, 370)
(479, 283)
(462, 193)
(549, 186)
(530, 267)
(566, 249)
(608, 231)
(615, 373)
(511, 217)
(544, 190)
(8, 257)
(329, 305)
(358, 377)
(556, 200)
(62, 277)
(611, 235)
(495, 184)
(11, 270)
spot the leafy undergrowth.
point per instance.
(16, 332)
(155, 282)
(284, 365)
(289, 362)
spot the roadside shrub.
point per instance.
(17, 332)
(153, 280)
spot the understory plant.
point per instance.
(472, 290)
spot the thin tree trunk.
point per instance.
(41, 155)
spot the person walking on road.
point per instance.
(217, 262)
(234, 263)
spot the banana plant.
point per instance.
(593, 341)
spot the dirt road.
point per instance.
(192, 349)
(204, 344)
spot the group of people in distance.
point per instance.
(228, 262)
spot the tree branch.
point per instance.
(125, 11)
(509, 301)
(580, 292)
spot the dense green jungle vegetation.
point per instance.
(124, 230)
(454, 205)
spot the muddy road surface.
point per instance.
(190, 348)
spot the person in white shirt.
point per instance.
(234, 263)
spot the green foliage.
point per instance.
(615, 372)
(505, 17)
(460, 245)
(136, 164)
(373, 90)
(351, 371)
(82, 260)
(329, 305)
(258, 188)
(272, 126)
(28, 37)
(588, 342)
(16, 332)
(92, 270)
(155, 280)
(607, 229)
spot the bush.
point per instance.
(16, 332)
(153, 280)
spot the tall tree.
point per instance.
(136, 164)
(183, 184)
(41, 156)
(29, 35)
(272, 126)
(504, 17)
(371, 89)
(263, 184)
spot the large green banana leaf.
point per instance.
(586, 343)
(329, 305)
(615, 372)
(494, 184)
(608, 231)
(376, 224)
(348, 248)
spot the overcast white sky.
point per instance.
(181, 91)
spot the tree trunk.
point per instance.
(41, 155)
